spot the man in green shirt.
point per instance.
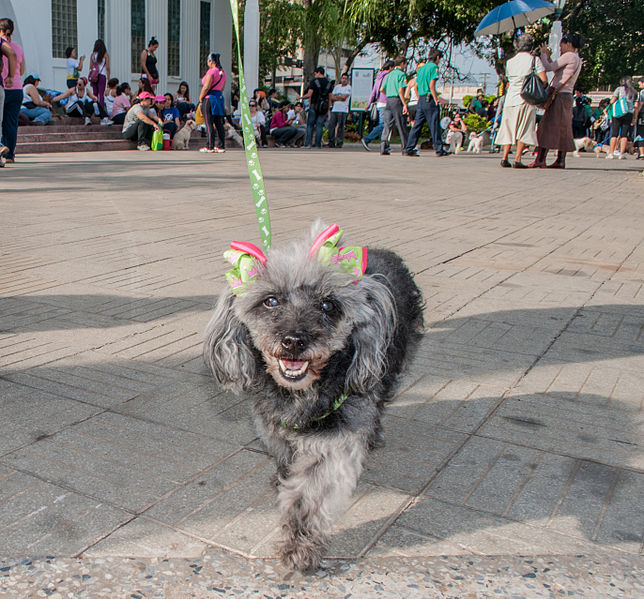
(394, 88)
(476, 105)
(428, 106)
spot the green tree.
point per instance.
(399, 24)
(614, 33)
(279, 32)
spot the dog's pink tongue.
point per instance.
(294, 364)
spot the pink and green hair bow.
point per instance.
(248, 260)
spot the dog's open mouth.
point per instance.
(293, 370)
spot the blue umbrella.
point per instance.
(513, 14)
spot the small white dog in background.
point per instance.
(181, 139)
(476, 141)
(583, 142)
(231, 133)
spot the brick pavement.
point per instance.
(517, 430)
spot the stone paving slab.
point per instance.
(516, 431)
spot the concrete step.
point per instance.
(58, 136)
(92, 145)
(83, 145)
(68, 137)
(64, 128)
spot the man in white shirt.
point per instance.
(340, 97)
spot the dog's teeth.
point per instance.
(287, 367)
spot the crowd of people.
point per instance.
(397, 102)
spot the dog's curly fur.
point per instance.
(303, 336)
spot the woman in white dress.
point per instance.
(519, 120)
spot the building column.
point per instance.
(251, 45)
(87, 29)
(118, 30)
(190, 25)
(156, 24)
(221, 32)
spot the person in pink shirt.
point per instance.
(281, 128)
(213, 105)
(13, 93)
(122, 103)
(554, 131)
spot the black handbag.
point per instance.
(533, 90)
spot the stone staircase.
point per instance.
(71, 135)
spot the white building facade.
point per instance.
(187, 30)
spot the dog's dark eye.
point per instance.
(327, 306)
(271, 302)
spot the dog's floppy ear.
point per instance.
(374, 325)
(227, 348)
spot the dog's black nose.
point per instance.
(294, 342)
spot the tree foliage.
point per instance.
(399, 24)
(614, 33)
(279, 32)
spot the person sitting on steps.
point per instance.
(81, 102)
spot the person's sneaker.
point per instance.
(143, 148)
(621, 157)
(218, 150)
(609, 156)
(88, 121)
(106, 121)
(506, 164)
(207, 150)
(412, 153)
(365, 145)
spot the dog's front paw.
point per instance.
(376, 439)
(301, 553)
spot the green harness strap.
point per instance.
(336, 404)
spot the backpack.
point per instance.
(322, 104)
(579, 113)
(94, 72)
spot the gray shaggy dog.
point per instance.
(319, 356)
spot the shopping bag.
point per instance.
(157, 140)
(199, 120)
(620, 107)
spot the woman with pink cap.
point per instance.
(141, 121)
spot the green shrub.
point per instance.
(476, 123)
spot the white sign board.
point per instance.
(361, 85)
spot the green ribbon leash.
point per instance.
(250, 146)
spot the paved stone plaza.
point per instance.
(513, 464)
